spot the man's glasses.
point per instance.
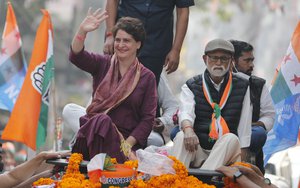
(223, 59)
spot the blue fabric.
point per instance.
(286, 128)
(174, 132)
(258, 138)
(11, 81)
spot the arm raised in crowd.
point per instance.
(91, 22)
(26, 170)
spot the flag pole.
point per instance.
(54, 106)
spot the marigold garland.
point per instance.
(72, 178)
(228, 182)
(43, 181)
(178, 180)
(131, 164)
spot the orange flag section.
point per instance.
(11, 21)
(295, 41)
(23, 122)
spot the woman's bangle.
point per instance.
(189, 126)
(80, 37)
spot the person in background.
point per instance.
(160, 48)
(119, 119)
(8, 156)
(1, 159)
(214, 113)
(23, 175)
(263, 115)
(161, 125)
(21, 156)
(246, 177)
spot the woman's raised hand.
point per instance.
(93, 20)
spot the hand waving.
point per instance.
(93, 20)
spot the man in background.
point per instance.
(263, 115)
(159, 48)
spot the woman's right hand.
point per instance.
(93, 20)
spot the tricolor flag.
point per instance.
(285, 94)
(13, 66)
(28, 120)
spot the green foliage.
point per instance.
(223, 10)
(224, 14)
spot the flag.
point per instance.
(285, 93)
(28, 120)
(13, 65)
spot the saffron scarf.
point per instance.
(218, 126)
(112, 91)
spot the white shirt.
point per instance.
(167, 101)
(267, 111)
(187, 112)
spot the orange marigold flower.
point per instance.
(178, 180)
(113, 161)
(131, 164)
(228, 181)
(241, 164)
(73, 178)
(43, 181)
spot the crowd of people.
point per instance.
(223, 114)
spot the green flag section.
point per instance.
(48, 79)
(287, 79)
(280, 90)
(46, 93)
(286, 98)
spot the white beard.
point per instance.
(217, 71)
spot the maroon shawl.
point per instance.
(112, 91)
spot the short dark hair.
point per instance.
(132, 26)
(240, 47)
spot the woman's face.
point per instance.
(125, 46)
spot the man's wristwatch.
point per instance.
(267, 181)
(236, 175)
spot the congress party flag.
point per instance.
(13, 65)
(28, 120)
(285, 93)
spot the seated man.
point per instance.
(161, 126)
(214, 114)
(263, 115)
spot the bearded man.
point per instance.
(215, 113)
(263, 115)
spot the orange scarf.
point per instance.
(111, 92)
(218, 126)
